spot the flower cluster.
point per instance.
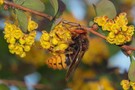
(1, 2)
(126, 84)
(119, 32)
(19, 42)
(57, 40)
(32, 25)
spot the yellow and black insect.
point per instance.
(72, 56)
(58, 62)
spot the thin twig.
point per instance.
(127, 47)
(28, 10)
(96, 33)
(22, 84)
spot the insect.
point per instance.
(73, 54)
(58, 62)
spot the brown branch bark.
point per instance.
(22, 84)
(96, 33)
(28, 10)
(128, 47)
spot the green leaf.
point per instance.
(106, 7)
(34, 5)
(131, 72)
(55, 5)
(22, 20)
(19, 1)
(91, 10)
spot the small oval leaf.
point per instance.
(22, 20)
(55, 5)
(34, 5)
(106, 7)
(131, 72)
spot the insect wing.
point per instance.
(74, 65)
(76, 60)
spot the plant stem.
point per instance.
(127, 47)
(28, 10)
(96, 33)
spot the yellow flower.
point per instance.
(18, 34)
(63, 46)
(124, 28)
(132, 85)
(120, 38)
(22, 40)
(11, 46)
(8, 28)
(26, 48)
(45, 36)
(12, 40)
(23, 55)
(54, 41)
(18, 49)
(1, 2)
(121, 19)
(115, 28)
(125, 84)
(111, 37)
(108, 25)
(128, 38)
(32, 25)
(12, 51)
(46, 45)
(60, 47)
(29, 38)
(101, 20)
(130, 30)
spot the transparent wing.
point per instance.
(74, 65)
(82, 46)
(76, 60)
